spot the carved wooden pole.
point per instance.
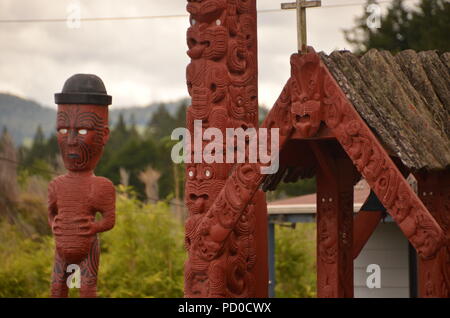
(334, 224)
(222, 81)
(434, 272)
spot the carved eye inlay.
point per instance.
(191, 173)
(82, 131)
(218, 22)
(62, 131)
(208, 173)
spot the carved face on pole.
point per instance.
(82, 121)
(306, 106)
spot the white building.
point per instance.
(387, 247)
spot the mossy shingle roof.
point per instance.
(405, 99)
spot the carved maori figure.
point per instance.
(76, 197)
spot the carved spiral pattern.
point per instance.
(222, 82)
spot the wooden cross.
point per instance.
(301, 6)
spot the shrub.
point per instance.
(141, 257)
(25, 263)
(295, 267)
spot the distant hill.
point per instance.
(143, 114)
(22, 117)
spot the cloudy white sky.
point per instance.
(143, 61)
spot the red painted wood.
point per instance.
(375, 165)
(364, 224)
(261, 236)
(227, 252)
(334, 224)
(310, 98)
(434, 272)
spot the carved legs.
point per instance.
(434, 273)
(59, 287)
(89, 271)
(88, 274)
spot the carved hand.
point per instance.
(56, 228)
(87, 226)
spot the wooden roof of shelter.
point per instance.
(405, 100)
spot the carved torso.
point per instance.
(76, 199)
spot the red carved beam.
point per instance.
(434, 273)
(365, 224)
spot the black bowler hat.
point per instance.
(83, 89)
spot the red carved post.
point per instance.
(334, 225)
(75, 198)
(434, 272)
(222, 81)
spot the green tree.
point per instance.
(162, 123)
(301, 187)
(180, 115)
(40, 158)
(424, 28)
(37, 150)
(133, 131)
(118, 135)
(134, 156)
